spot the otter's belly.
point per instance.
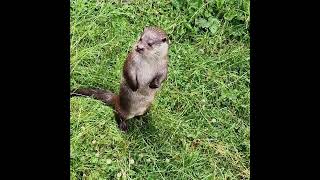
(141, 100)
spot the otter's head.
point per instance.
(153, 42)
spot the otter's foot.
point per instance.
(122, 124)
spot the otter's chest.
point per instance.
(146, 71)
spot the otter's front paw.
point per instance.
(134, 88)
(154, 84)
(123, 126)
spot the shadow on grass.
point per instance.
(143, 128)
(141, 123)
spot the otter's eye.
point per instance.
(149, 44)
(164, 39)
(140, 39)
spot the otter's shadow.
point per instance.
(142, 126)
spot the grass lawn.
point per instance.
(199, 125)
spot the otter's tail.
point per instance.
(105, 96)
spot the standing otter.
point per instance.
(144, 70)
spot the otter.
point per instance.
(144, 71)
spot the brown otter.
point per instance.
(144, 71)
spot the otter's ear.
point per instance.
(167, 40)
(164, 39)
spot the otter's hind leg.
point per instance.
(121, 121)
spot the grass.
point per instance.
(199, 125)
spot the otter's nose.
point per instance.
(139, 48)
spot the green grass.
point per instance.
(199, 125)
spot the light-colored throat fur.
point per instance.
(147, 68)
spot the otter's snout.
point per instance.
(139, 48)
